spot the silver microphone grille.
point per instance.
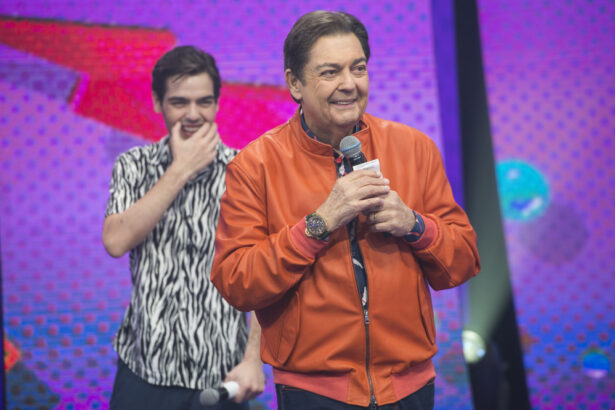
(350, 146)
(209, 397)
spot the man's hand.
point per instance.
(359, 191)
(393, 217)
(250, 377)
(191, 155)
(122, 232)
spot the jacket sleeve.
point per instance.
(253, 267)
(452, 258)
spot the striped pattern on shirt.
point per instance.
(177, 330)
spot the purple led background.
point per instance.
(63, 296)
(551, 88)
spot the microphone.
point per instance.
(351, 148)
(213, 396)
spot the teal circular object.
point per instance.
(523, 190)
(596, 364)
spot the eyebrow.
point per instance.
(184, 99)
(334, 65)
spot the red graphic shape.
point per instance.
(115, 64)
(11, 354)
(248, 111)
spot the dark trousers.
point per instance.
(292, 398)
(130, 392)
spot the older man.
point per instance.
(337, 263)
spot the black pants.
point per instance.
(130, 392)
(292, 398)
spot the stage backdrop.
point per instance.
(551, 89)
(74, 93)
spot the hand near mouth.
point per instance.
(197, 151)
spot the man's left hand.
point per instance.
(250, 377)
(393, 217)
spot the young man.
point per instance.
(178, 336)
(336, 262)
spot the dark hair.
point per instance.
(182, 61)
(310, 27)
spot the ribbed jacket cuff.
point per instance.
(428, 237)
(309, 247)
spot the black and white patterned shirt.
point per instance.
(177, 330)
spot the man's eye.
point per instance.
(328, 73)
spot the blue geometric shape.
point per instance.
(524, 192)
(596, 364)
(28, 71)
(25, 390)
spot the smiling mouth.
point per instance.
(344, 102)
(189, 130)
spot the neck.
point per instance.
(330, 137)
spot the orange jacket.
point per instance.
(308, 307)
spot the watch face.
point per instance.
(316, 226)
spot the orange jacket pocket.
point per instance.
(280, 326)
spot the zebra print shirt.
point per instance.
(177, 330)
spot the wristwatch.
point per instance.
(417, 230)
(316, 227)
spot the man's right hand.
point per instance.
(359, 191)
(122, 232)
(191, 155)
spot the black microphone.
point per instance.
(351, 148)
(213, 396)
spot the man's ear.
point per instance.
(157, 103)
(294, 85)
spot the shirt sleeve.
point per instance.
(124, 182)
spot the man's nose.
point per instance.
(346, 80)
(193, 112)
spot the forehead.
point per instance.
(189, 86)
(336, 49)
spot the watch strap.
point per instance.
(417, 230)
